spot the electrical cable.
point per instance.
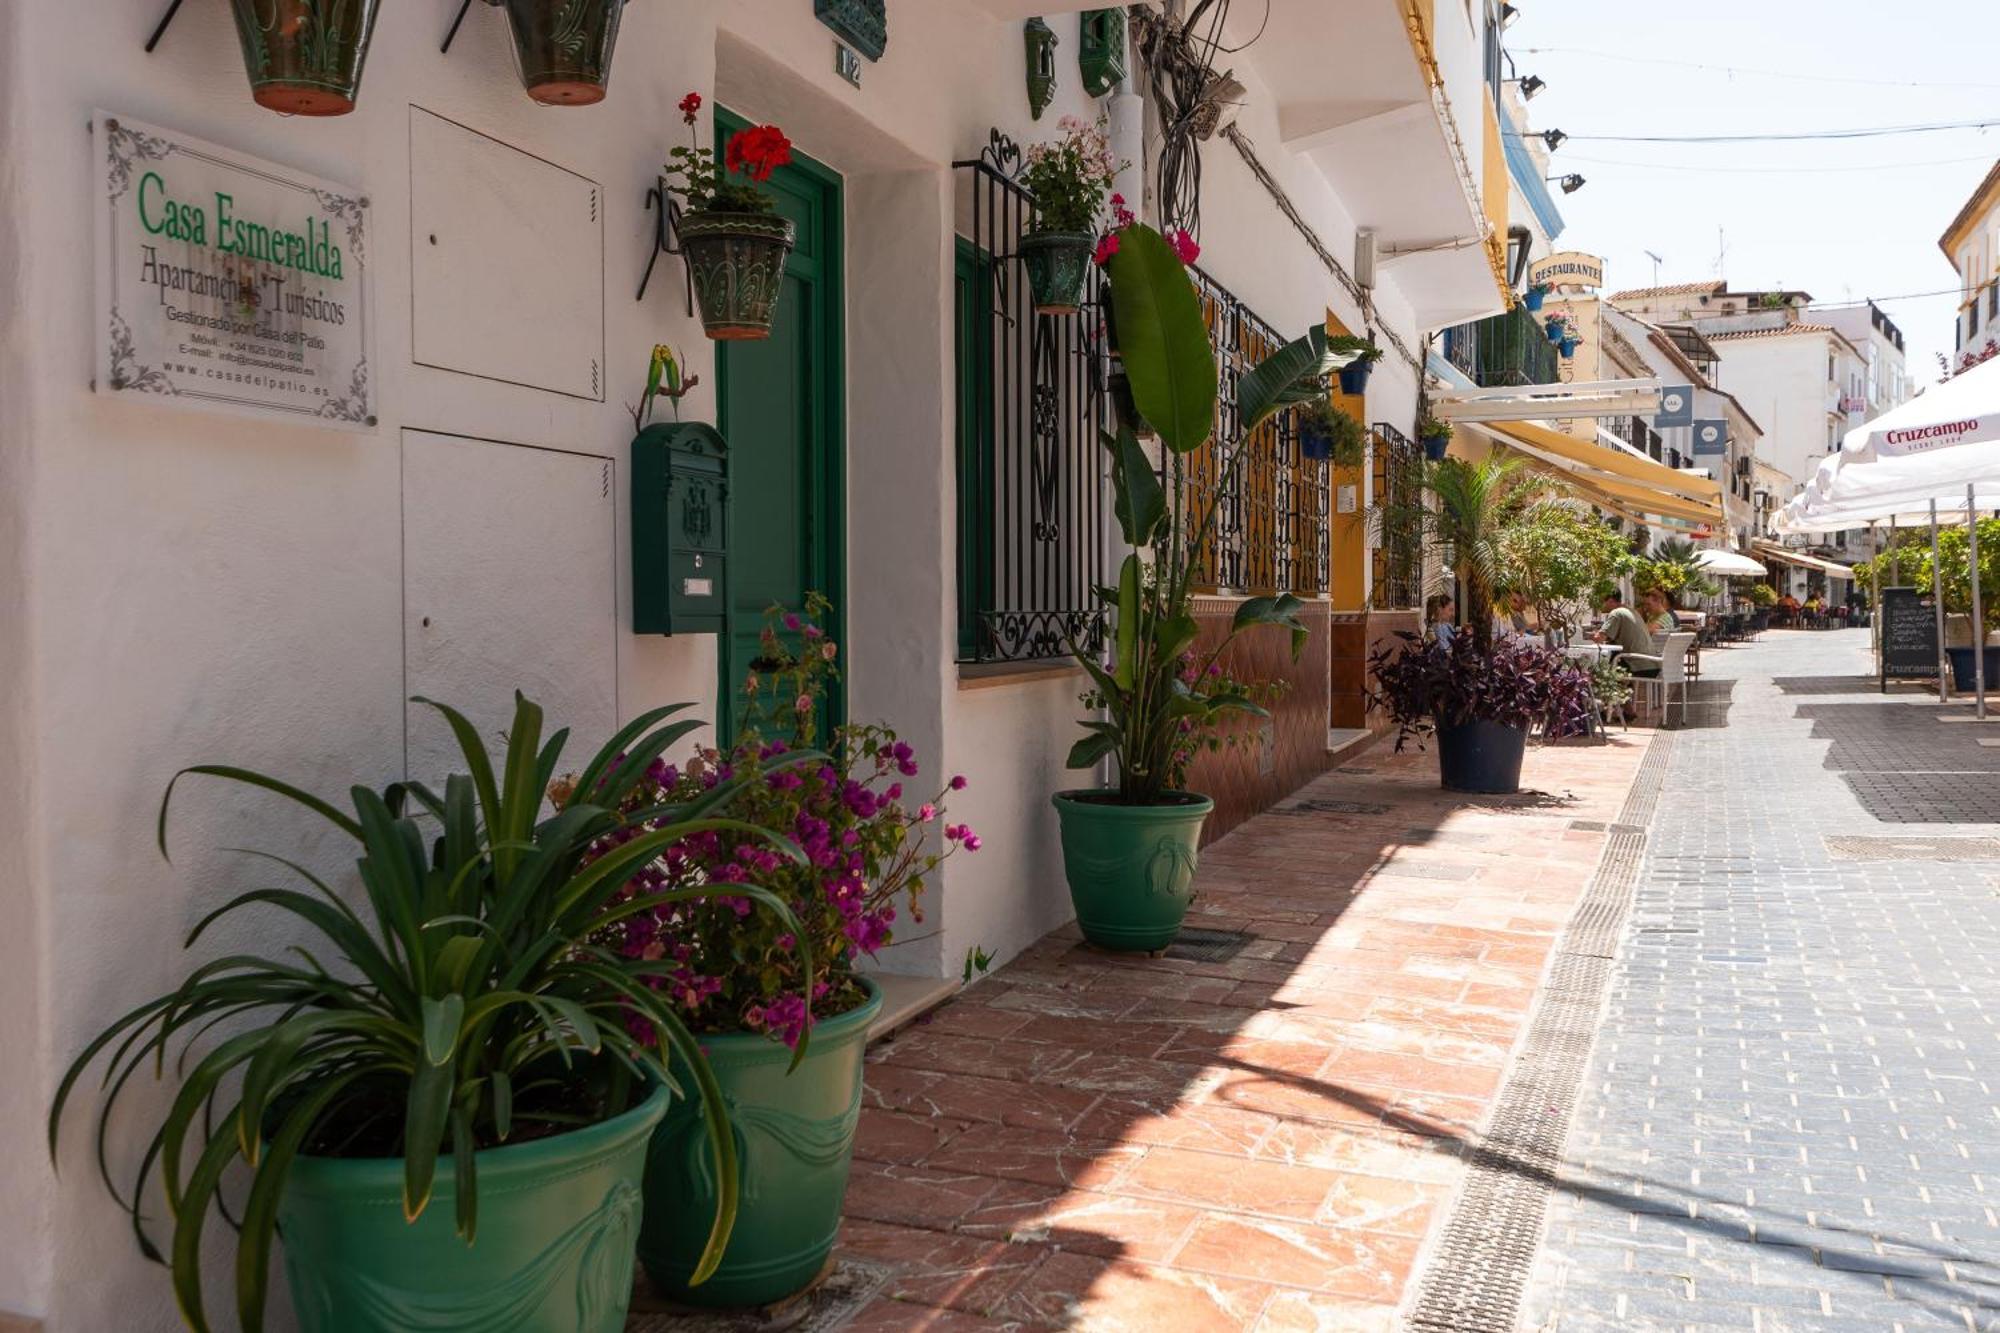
(1876, 132)
(1734, 70)
(1685, 166)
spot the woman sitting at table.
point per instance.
(1439, 614)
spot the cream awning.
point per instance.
(1772, 551)
(1626, 483)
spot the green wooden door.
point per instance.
(781, 411)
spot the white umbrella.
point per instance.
(1727, 563)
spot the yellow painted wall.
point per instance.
(1347, 539)
(1494, 186)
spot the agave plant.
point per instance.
(463, 1005)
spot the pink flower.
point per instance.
(829, 650)
(971, 842)
(1120, 214)
(804, 703)
(791, 621)
(1185, 249)
(926, 813)
(958, 782)
(1106, 248)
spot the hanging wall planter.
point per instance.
(304, 57)
(1354, 375)
(1436, 438)
(1057, 264)
(1567, 347)
(563, 47)
(1534, 296)
(737, 261)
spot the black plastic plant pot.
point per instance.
(1481, 757)
(1354, 375)
(304, 57)
(564, 48)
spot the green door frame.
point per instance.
(826, 541)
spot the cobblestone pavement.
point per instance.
(1261, 1140)
(1790, 1123)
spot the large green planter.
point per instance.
(1130, 867)
(304, 57)
(564, 47)
(737, 261)
(1057, 264)
(794, 1140)
(557, 1218)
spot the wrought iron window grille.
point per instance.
(1398, 557)
(1033, 495)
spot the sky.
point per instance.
(1841, 219)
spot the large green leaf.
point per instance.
(1286, 378)
(1162, 339)
(1282, 610)
(1129, 575)
(1141, 503)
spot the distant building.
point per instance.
(1972, 244)
(1885, 376)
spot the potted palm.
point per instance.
(734, 979)
(1068, 178)
(445, 1100)
(1479, 696)
(563, 47)
(734, 241)
(304, 58)
(1327, 434)
(1129, 850)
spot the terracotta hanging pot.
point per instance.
(304, 57)
(563, 47)
(737, 261)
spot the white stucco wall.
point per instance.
(203, 588)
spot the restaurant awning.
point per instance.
(1629, 484)
(1772, 551)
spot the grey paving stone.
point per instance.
(1802, 1044)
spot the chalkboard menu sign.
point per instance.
(1909, 635)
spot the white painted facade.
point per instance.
(179, 587)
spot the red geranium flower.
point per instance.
(758, 151)
(690, 107)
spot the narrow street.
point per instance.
(1335, 1119)
(1790, 1122)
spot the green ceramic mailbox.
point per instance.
(680, 529)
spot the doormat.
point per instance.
(1196, 945)
(825, 1308)
(1913, 849)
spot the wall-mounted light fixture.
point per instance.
(1570, 183)
(1531, 85)
(1553, 138)
(1508, 13)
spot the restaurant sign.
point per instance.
(228, 282)
(1568, 268)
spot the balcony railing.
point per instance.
(1503, 349)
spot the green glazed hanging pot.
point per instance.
(1057, 264)
(304, 57)
(737, 261)
(1130, 867)
(564, 47)
(794, 1143)
(557, 1221)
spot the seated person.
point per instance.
(1439, 613)
(1623, 627)
(1510, 615)
(1655, 611)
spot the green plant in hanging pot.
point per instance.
(1327, 434)
(304, 57)
(1068, 178)
(1129, 851)
(1435, 436)
(444, 1093)
(870, 850)
(731, 235)
(1361, 356)
(563, 47)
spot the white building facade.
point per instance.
(181, 586)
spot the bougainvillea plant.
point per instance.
(752, 153)
(870, 849)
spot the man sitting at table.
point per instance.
(1623, 627)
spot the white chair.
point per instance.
(1673, 672)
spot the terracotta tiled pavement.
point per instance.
(1084, 1141)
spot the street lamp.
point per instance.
(1553, 138)
(1531, 85)
(1570, 183)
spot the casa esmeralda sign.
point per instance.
(228, 282)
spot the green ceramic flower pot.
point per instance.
(557, 1218)
(794, 1140)
(304, 57)
(1130, 867)
(737, 261)
(564, 47)
(1057, 264)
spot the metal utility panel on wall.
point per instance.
(506, 262)
(510, 581)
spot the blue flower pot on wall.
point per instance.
(1436, 445)
(1555, 331)
(1315, 442)
(1354, 375)
(1533, 298)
